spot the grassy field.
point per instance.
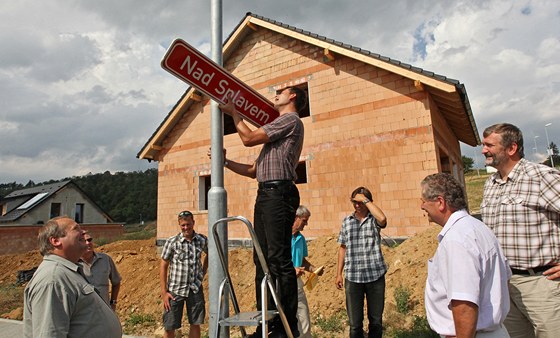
(474, 186)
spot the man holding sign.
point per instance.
(277, 196)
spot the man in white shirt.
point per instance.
(466, 291)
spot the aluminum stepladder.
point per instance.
(252, 318)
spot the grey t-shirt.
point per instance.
(101, 270)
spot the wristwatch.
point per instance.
(365, 201)
(113, 302)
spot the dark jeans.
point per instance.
(375, 295)
(275, 211)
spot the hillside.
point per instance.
(140, 308)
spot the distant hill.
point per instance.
(128, 197)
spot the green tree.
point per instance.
(555, 156)
(468, 163)
(126, 196)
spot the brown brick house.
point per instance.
(372, 121)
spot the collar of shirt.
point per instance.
(95, 257)
(63, 261)
(513, 174)
(363, 220)
(457, 215)
(183, 238)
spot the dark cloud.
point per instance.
(81, 88)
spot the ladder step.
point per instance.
(252, 318)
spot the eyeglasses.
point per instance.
(185, 214)
(89, 240)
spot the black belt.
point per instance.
(531, 272)
(274, 184)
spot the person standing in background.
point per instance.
(301, 264)
(182, 270)
(100, 269)
(361, 259)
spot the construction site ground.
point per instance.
(140, 305)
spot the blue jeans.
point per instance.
(275, 211)
(374, 292)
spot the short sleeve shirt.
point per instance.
(100, 272)
(279, 158)
(363, 262)
(185, 263)
(468, 265)
(299, 249)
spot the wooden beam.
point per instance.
(156, 147)
(252, 26)
(418, 85)
(328, 54)
(196, 97)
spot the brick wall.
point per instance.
(23, 238)
(367, 127)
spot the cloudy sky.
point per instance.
(82, 90)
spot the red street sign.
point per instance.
(193, 67)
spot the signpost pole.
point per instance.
(217, 196)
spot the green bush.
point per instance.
(402, 297)
(334, 323)
(138, 320)
(420, 329)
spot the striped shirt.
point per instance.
(524, 213)
(185, 268)
(363, 261)
(279, 157)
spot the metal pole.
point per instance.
(217, 196)
(549, 150)
(536, 149)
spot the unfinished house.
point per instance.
(372, 121)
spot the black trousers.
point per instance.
(275, 210)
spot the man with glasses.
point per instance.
(277, 196)
(59, 301)
(182, 269)
(99, 269)
(467, 286)
(361, 259)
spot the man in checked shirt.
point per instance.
(277, 196)
(360, 256)
(182, 269)
(521, 204)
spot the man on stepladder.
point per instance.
(277, 196)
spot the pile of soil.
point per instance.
(140, 304)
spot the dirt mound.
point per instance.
(139, 301)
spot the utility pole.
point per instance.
(549, 150)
